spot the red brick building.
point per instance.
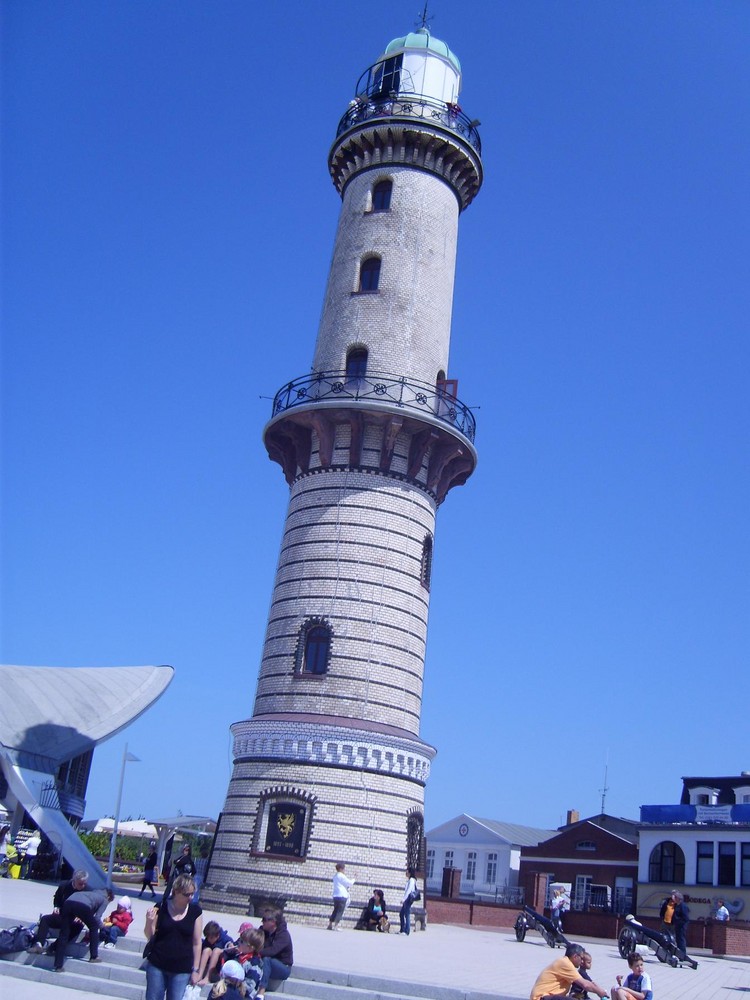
(596, 857)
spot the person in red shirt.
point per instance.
(116, 924)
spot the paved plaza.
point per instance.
(475, 960)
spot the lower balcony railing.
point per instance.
(419, 398)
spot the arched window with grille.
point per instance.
(369, 274)
(667, 863)
(381, 196)
(314, 648)
(415, 857)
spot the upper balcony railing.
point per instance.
(419, 398)
(417, 106)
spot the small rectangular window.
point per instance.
(381, 196)
(448, 860)
(582, 892)
(704, 873)
(471, 866)
(727, 855)
(491, 869)
(745, 865)
(430, 863)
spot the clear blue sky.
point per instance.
(168, 223)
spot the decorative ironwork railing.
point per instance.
(412, 106)
(49, 797)
(379, 387)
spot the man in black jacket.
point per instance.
(50, 921)
(277, 952)
(680, 920)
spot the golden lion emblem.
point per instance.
(285, 823)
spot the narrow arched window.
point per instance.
(356, 364)
(369, 274)
(314, 647)
(317, 644)
(415, 847)
(381, 196)
(425, 570)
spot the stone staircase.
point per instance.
(119, 975)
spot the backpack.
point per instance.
(15, 939)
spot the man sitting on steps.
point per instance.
(557, 978)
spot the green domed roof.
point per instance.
(422, 39)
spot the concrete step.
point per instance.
(307, 984)
(72, 979)
(315, 984)
(119, 974)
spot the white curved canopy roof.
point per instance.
(59, 712)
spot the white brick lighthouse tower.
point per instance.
(331, 767)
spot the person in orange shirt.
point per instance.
(667, 913)
(557, 978)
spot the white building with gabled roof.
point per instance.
(487, 852)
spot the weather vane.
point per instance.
(424, 20)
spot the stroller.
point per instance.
(11, 864)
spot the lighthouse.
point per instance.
(331, 767)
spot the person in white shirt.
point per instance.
(341, 887)
(30, 849)
(722, 913)
(410, 893)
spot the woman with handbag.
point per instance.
(410, 894)
(173, 932)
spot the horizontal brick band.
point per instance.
(305, 742)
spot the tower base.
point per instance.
(307, 794)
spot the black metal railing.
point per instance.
(49, 797)
(412, 106)
(504, 894)
(379, 387)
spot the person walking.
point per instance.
(341, 886)
(149, 873)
